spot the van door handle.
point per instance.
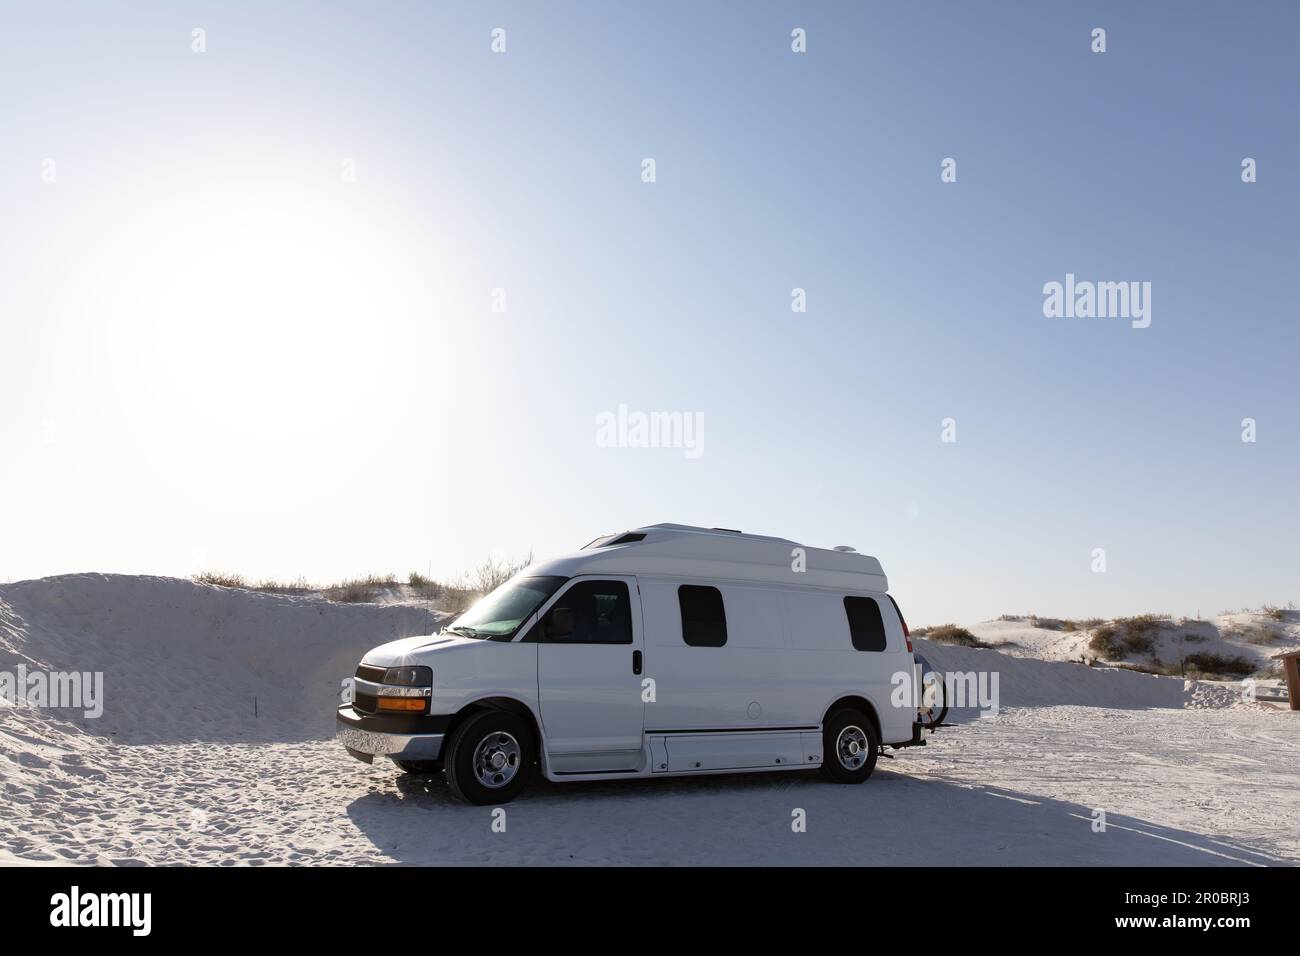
(636, 662)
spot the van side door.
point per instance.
(589, 667)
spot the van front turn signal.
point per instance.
(405, 705)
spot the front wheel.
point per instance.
(850, 745)
(490, 757)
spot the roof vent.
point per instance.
(609, 540)
(846, 549)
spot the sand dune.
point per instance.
(1255, 636)
(185, 661)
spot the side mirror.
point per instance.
(559, 624)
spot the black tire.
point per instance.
(937, 713)
(419, 766)
(498, 732)
(850, 746)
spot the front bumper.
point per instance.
(367, 737)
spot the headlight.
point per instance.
(409, 676)
(406, 690)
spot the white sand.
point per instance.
(179, 770)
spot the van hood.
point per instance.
(410, 650)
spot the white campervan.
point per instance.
(663, 651)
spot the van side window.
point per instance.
(704, 618)
(866, 626)
(600, 612)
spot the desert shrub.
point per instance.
(1086, 624)
(488, 576)
(1219, 664)
(300, 586)
(1138, 643)
(269, 585)
(360, 590)
(493, 573)
(220, 579)
(456, 599)
(951, 634)
(1155, 667)
(1142, 624)
(1105, 642)
(1131, 635)
(425, 587)
(1264, 634)
(1033, 620)
(1138, 634)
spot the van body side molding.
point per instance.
(733, 730)
(746, 750)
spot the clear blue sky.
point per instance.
(219, 354)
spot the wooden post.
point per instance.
(1291, 668)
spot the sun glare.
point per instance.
(271, 297)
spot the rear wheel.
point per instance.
(850, 745)
(490, 757)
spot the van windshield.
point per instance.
(497, 616)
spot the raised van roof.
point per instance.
(718, 553)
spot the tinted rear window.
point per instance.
(704, 618)
(866, 626)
